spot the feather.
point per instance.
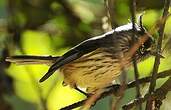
(26, 59)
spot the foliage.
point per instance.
(51, 27)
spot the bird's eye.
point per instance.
(147, 46)
(149, 43)
(142, 49)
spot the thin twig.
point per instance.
(157, 58)
(110, 7)
(115, 88)
(91, 100)
(158, 96)
(136, 73)
(122, 88)
(109, 20)
(162, 92)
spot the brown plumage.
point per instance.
(96, 62)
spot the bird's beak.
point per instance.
(156, 54)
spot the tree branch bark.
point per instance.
(136, 73)
(158, 96)
(157, 58)
(115, 88)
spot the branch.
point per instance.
(136, 73)
(110, 9)
(115, 88)
(109, 20)
(158, 96)
(157, 58)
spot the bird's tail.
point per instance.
(24, 60)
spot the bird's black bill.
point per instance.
(157, 54)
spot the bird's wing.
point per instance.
(76, 52)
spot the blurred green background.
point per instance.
(51, 27)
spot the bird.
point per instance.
(96, 62)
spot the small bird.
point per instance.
(94, 63)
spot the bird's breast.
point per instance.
(94, 70)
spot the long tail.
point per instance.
(24, 60)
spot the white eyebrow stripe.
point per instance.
(127, 27)
(103, 35)
(118, 29)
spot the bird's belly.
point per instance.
(92, 71)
